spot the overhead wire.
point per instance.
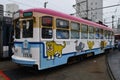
(114, 14)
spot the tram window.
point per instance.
(74, 34)
(27, 28)
(17, 29)
(62, 34)
(62, 24)
(106, 34)
(75, 29)
(47, 33)
(101, 34)
(84, 35)
(97, 33)
(91, 32)
(84, 32)
(109, 35)
(47, 21)
(112, 35)
(91, 35)
(75, 26)
(84, 28)
(91, 29)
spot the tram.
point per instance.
(117, 39)
(46, 38)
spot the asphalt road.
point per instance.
(90, 69)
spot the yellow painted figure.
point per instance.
(90, 44)
(54, 49)
(103, 44)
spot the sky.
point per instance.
(66, 7)
(59, 5)
(108, 12)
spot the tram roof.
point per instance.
(66, 16)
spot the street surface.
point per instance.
(90, 69)
(114, 62)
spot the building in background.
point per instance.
(88, 9)
(1, 10)
(6, 30)
(10, 9)
(117, 30)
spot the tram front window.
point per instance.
(27, 28)
(17, 29)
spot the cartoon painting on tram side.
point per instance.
(90, 44)
(103, 44)
(54, 49)
(79, 47)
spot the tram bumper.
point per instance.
(23, 61)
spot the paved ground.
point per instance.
(90, 69)
(114, 62)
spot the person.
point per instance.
(119, 45)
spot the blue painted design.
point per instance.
(44, 63)
(31, 44)
(25, 47)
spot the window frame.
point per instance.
(43, 24)
(101, 33)
(16, 31)
(61, 31)
(91, 32)
(84, 34)
(82, 30)
(58, 25)
(97, 33)
(47, 30)
(24, 35)
(73, 30)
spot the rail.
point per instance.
(108, 67)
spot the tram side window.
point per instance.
(112, 35)
(75, 29)
(47, 22)
(101, 34)
(60, 23)
(106, 34)
(62, 34)
(91, 32)
(97, 33)
(109, 35)
(17, 29)
(84, 32)
(27, 28)
(62, 31)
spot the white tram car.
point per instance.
(48, 38)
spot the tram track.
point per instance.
(109, 68)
